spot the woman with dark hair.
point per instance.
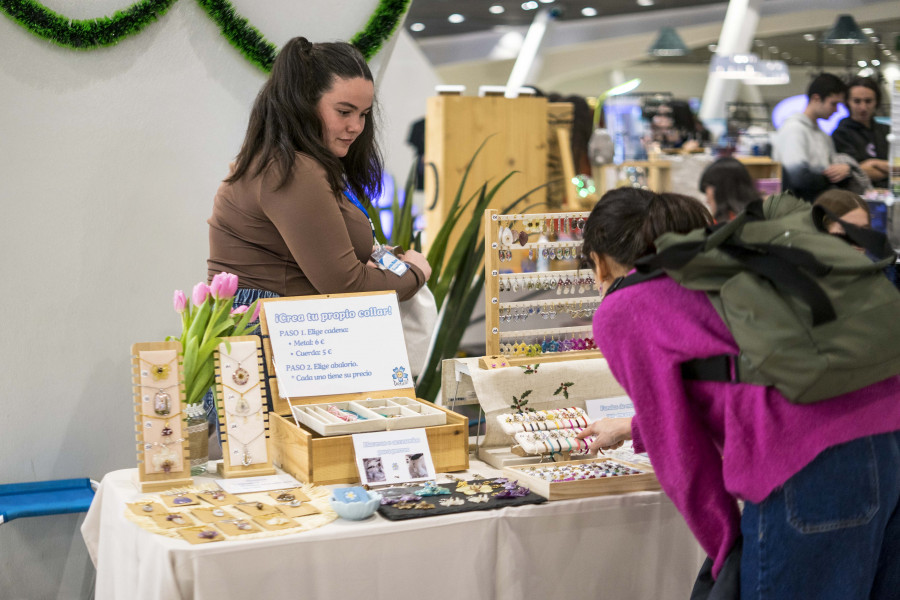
(820, 482)
(728, 188)
(860, 136)
(290, 218)
(850, 208)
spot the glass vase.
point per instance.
(198, 437)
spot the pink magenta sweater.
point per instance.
(712, 442)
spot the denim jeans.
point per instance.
(832, 531)
(243, 297)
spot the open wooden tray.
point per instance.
(378, 414)
(584, 488)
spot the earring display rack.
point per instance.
(242, 409)
(161, 432)
(563, 294)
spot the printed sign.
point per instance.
(338, 345)
(386, 457)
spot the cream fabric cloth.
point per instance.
(631, 546)
(495, 388)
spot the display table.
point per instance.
(632, 546)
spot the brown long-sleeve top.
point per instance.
(300, 240)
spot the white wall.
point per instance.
(109, 160)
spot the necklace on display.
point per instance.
(242, 407)
(241, 376)
(247, 458)
(159, 372)
(162, 401)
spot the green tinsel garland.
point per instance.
(106, 31)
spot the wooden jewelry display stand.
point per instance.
(241, 406)
(162, 441)
(569, 291)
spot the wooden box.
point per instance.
(584, 488)
(315, 458)
(324, 460)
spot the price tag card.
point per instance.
(337, 345)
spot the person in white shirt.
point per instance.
(805, 152)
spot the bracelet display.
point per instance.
(543, 420)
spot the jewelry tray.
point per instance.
(406, 414)
(584, 488)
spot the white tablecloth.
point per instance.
(627, 547)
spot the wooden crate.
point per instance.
(318, 459)
(314, 458)
(584, 488)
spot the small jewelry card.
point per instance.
(201, 535)
(172, 520)
(390, 457)
(218, 498)
(303, 510)
(147, 509)
(210, 515)
(257, 508)
(275, 522)
(179, 500)
(238, 527)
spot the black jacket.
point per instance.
(862, 143)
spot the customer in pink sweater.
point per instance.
(820, 482)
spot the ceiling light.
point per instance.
(773, 49)
(785, 55)
(669, 43)
(589, 11)
(866, 72)
(867, 30)
(809, 37)
(530, 5)
(875, 62)
(645, 2)
(712, 47)
(496, 9)
(845, 31)
(417, 27)
(861, 63)
(758, 43)
(456, 18)
(548, 1)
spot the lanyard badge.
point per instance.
(386, 259)
(381, 255)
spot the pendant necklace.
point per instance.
(242, 407)
(246, 459)
(162, 401)
(159, 372)
(241, 375)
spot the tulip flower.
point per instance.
(198, 296)
(240, 310)
(256, 308)
(180, 301)
(224, 285)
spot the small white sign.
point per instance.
(248, 485)
(609, 408)
(345, 344)
(390, 457)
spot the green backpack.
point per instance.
(812, 316)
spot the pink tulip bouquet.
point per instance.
(205, 320)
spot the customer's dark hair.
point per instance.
(733, 187)
(285, 119)
(826, 84)
(625, 222)
(866, 82)
(840, 202)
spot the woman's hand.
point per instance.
(417, 259)
(608, 433)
